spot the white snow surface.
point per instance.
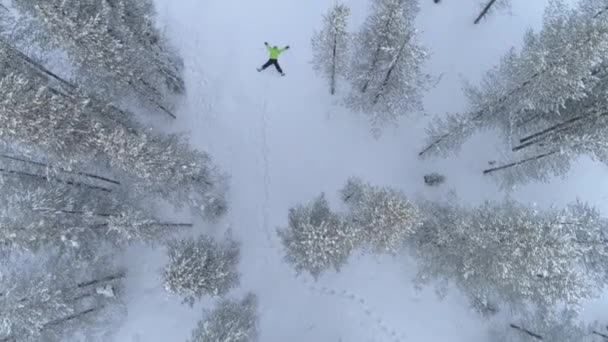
(284, 140)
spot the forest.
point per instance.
(155, 187)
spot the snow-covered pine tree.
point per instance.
(537, 88)
(508, 253)
(77, 129)
(201, 266)
(316, 239)
(114, 44)
(562, 326)
(383, 216)
(53, 298)
(331, 46)
(491, 5)
(229, 321)
(386, 74)
(36, 213)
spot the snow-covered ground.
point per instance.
(284, 140)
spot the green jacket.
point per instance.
(274, 53)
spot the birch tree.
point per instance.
(114, 45)
(386, 74)
(316, 239)
(383, 216)
(52, 299)
(513, 254)
(537, 87)
(331, 46)
(78, 129)
(201, 266)
(229, 321)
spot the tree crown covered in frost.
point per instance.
(541, 94)
(50, 300)
(384, 217)
(114, 44)
(316, 239)
(331, 45)
(35, 214)
(514, 254)
(77, 128)
(229, 321)
(201, 266)
(386, 74)
(378, 220)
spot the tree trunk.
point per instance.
(564, 127)
(109, 278)
(528, 332)
(159, 224)
(75, 212)
(32, 175)
(600, 334)
(371, 70)
(375, 60)
(332, 85)
(520, 162)
(37, 66)
(390, 70)
(550, 129)
(600, 12)
(484, 11)
(90, 175)
(70, 317)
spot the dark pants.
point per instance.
(271, 62)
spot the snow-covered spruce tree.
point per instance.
(491, 5)
(331, 46)
(77, 129)
(201, 266)
(316, 239)
(508, 253)
(114, 44)
(386, 74)
(383, 216)
(52, 299)
(562, 326)
(36, 213)
(534, 89)
(229, 321)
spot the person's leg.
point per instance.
(276, 64)
(266, 65)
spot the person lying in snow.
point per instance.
(274, 55)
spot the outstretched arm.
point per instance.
(267, 46)
(283, 49)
